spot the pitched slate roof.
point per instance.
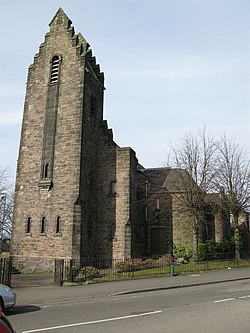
(170, 179)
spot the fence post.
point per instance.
(58, 274)
(8, 272)
(172, 265)
(1, 270)
(71, 273)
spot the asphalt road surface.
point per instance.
(222, 307)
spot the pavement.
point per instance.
(40, 290)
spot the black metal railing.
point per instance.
(112, 269)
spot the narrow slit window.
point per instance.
(43, 225)
(157, 204)
(54, 70)
(46, 170)
(28, 225)
(58, 224)
(113, 187)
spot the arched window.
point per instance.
(113, 187)
(46, 170)
(58, 225)
(54, 70)
(43, 225)
(28, 225)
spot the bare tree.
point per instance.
(3, 180)
(194, 158)
(6, 205)
(233, 175)
(6, 215)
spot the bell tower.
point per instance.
(58, 159)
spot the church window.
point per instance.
(139, 232)
(113, 187)
(28, 225)
(46, 170)
(43, 225)
(157, 204)
(147, 188)
(58, 225)
(54, 70)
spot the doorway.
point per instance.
(158, 241)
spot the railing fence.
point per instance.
(93, 268)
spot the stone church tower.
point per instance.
(75, 193)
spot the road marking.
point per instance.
(242, 297)
(92, 322)
(225, 300)
(231, 299)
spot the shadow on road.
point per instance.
(19, 309)
(31, 280)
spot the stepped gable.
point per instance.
(93, 68)
(60, 19)
(107, 131)
(61, 22)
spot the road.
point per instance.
(222, 307)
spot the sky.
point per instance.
(171, 67)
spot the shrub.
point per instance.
(210, 250)
(206, 250)
(182, 254)
(78, 273)
(73, 272)
(124, 266)
(130, 265)
(149, 263)
(88, 272)
(228, 245)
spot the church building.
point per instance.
(78, 194)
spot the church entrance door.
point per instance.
(158, 241)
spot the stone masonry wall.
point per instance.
(124, 214)
(32, 201)
(182, 224)
(106, 223)
(89, 176)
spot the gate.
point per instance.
(5, 271)
(58, 275)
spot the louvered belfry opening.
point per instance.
(54, 70)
